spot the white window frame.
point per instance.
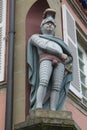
(3, 39)
(85, 69)
(66, 37)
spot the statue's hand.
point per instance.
(64, 57)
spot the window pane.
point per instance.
(82, 76)
(81, 65)
(80, 54)
(85, 101)
(84, 91)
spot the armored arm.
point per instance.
(46, 45)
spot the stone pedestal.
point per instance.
(48, 120)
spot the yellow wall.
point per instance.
(22, 7)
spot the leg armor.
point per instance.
(45, 73)
(57, 80)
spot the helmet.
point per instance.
(48, 16)
(48, 19)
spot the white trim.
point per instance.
(84, 60)
(66, 38)
(76, 92)
(64, 23)
(3, 39)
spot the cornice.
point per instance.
(81, 13)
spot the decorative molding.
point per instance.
(81, 32)
(75, 4)
(3, 85)
(77, 102)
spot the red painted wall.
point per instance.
(79, 117)
(2, 109)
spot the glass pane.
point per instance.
(80, 54)
(85, 101)
(84, 91)
(82, 77)
(81, 65)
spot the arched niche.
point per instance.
(34, 17)
(33, 20)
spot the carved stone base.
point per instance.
(48, 120)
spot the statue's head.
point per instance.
(48, 23)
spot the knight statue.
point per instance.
(50, 66)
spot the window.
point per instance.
(69, 30)
(2, 38)
(77, 41)
(82, 57)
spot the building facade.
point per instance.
(71, 20)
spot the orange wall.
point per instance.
(2, 110)
(79, 117)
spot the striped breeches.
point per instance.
(47, 70)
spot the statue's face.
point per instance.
(48, 28)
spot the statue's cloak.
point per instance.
(33, 74)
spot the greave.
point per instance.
(40, 96)
(54, 99)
